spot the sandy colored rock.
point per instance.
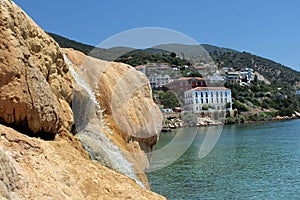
(35, 86)
(129, 111)
(35, 169)
(125, 95)
(36, 91)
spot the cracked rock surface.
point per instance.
(35, 86)
(32, 168)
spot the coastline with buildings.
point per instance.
(204, 98)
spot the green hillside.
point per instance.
(67, 43)
(101, 53)
(141, 57)
(277, 73)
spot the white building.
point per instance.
(247, 75)
(203, 98)
(157, 81)
(216, 78)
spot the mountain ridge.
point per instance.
(198, 55)
(87, 49)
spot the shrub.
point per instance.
(240, 106)
(205, 107)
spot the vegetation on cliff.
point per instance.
(142, 57)
(278, 74)
(262, 102)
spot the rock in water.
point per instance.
(35, 86)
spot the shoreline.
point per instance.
(275, 119)
(271, 120)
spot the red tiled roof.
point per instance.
(189, 78)
(210, 88)
(140, 67)
(199, 67)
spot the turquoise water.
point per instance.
(257, 161)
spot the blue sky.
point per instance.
(269, 28)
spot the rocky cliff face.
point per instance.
(35, 86)
(36, 91)
(35, 169)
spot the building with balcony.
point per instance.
(208, 98)
(233, 77)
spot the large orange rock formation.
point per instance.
(36, 92)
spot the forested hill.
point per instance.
(67, 43)
(101, 53)
(223, 57)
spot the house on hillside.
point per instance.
(233, 77)
(247, 75)
(215, 79)
(208, 98)
(243, 77)
(157, 81)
